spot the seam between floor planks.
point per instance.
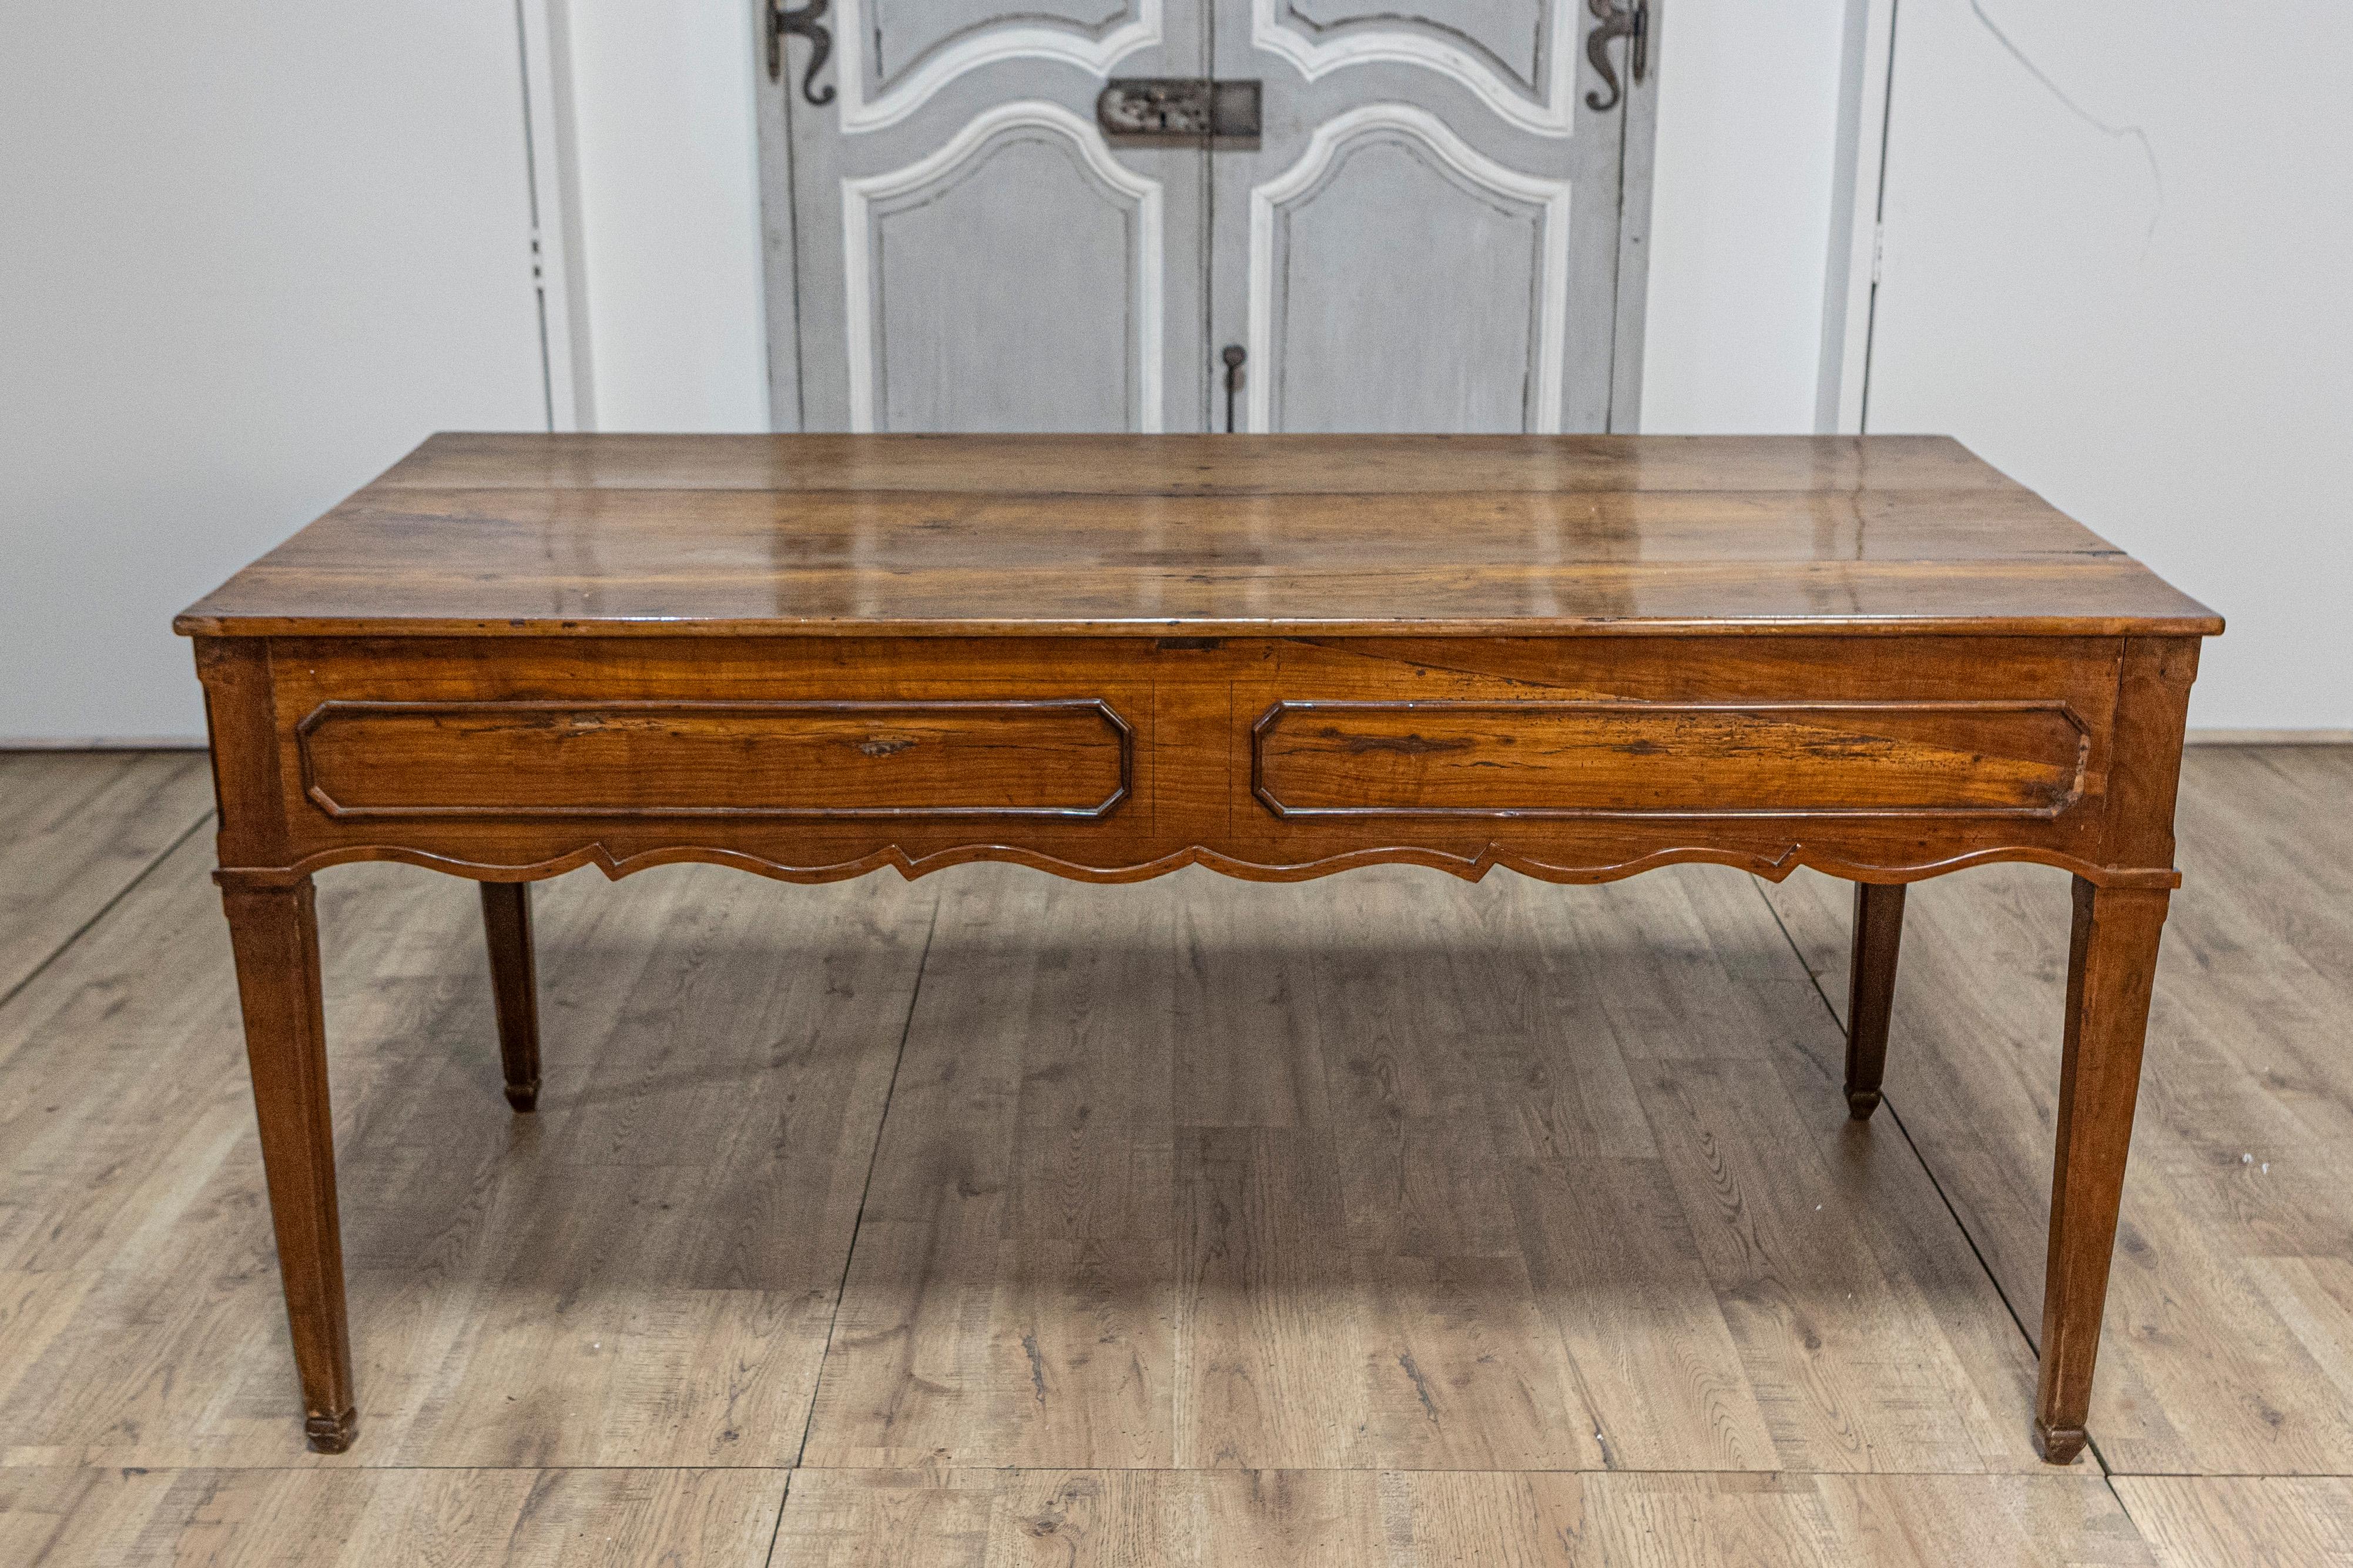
(104, 909)
(809, 1423)
(2107, 1475)
(1934, 1182)
(79, 829)
(777, 1530)
(2126, 1497)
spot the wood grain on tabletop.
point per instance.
(1213, 465)
(1566, 534)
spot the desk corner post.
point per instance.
(2111, 971)
(274, 930)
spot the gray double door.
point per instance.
(1435, 228)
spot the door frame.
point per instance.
(779, 272)
(778, 99)
(550, 151)
(1856, 256)
(1638, 151)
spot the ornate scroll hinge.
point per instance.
(809, 22)
(1632, 23)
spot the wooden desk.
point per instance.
(815, 656)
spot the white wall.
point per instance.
(1741, 213)
(668, 177)
(248, 254)
(241, 273)
(2141, 303)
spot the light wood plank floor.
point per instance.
(79, 827)
(994, 1220)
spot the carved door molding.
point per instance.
(1429, 232)
(876, 93)
(1539, 100)
(868, 202)
(1543, 203)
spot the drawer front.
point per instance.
(1570, 759)
(621, 760)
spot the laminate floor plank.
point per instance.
(1543, 1179)
(2242, 1521)
(1377, 1220)
(2229, 1339)
(75, 828)
(126, 1518)
(1373, 1519)
(642, 1273)
(1017, 1236)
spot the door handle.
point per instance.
(1632, 24)
(1179, 109)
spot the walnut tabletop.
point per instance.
(928, 535)
(1107, 657)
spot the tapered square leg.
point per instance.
(1871, 991)
(2111, 967)
(514, 984)
(274, 931)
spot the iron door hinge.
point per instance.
(1631, 23)
(807, 22)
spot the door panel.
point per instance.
(1424, 238)
(1508, 37)
(909, 34)
(1432, 242)
(898, 53)
(1342, 346)
(944, 274)
(968, 252)
(1518, 57)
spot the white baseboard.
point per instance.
(102, 743)
(2270, 737)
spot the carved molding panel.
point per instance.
(1605, 759)
(896, 54)
(1529, 83)
(1510, 227)
(1008, 167)
(622, 760)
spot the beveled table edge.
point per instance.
(189, 623)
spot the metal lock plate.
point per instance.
(1179, 109)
